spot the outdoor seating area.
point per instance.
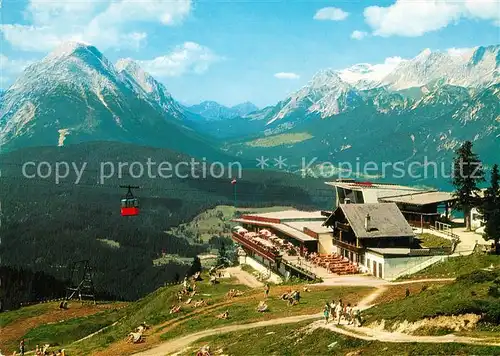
(269, 241)
(333, 263)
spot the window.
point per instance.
(368, 262)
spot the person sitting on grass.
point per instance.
(204, 351)
(262, 307)
(200, 303)
(224, 315)
(175, 309)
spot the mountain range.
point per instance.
(212, 110)
(423, 106)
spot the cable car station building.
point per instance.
(370, 228)
(420, 207)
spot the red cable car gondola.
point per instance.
(129, 204)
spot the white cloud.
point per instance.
(10, 69)
(410, 18)
(105, 24)
(286, 75)
(190, 57)
(331, 13)
(358, 35)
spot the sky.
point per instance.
(236, 51)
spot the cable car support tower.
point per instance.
(80, 282)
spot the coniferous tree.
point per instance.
(467, 174)
(195, 266)
(491, 209)
(222, 259)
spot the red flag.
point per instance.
(233, 181)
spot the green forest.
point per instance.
(47, 226)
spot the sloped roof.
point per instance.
(288, 215)
(420, 198)
(386, 220)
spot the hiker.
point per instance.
(357, 316)
(326, 312)
(407, 292)
(333, 308)
(21, 347)
(338, 310)
(348, 314)
(266, 290)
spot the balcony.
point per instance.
(346, 245)
(262, 251)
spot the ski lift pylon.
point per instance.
(129, 203)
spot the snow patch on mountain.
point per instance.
(365, 75)
(465, 67)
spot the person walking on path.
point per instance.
(339, 310)
(333, 308)
(266, 290)
(326, 312)
(22, 347)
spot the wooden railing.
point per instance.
(254, 247)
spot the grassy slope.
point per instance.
(291, 340)
(429, 240)
(154, 309)
(453, 267)
(244, 311)
(9, 317)
(468, 294)
(46, 323)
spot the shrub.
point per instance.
(494, 291)
(492, 313)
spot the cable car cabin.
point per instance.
(129, 204)
(129, 207)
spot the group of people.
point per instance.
(292, 297)
(337, 311)
(39, 351)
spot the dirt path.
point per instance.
(369, 334)
(176, 345)
(245, 277)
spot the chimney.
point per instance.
(347, 201)
(367, 222)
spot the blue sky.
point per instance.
(235, 51)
